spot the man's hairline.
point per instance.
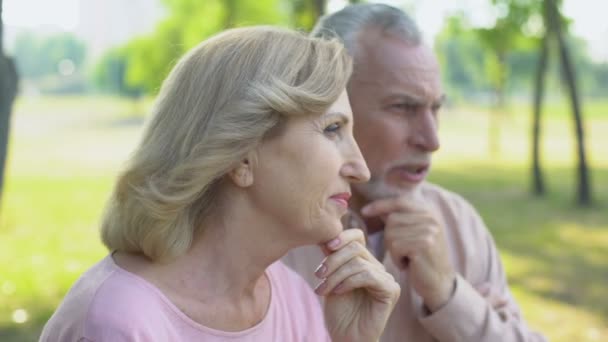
(356, 47)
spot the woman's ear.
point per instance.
(242, 174)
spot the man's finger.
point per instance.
(384, 206)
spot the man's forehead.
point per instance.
(388, 52)
(392, 67)
(413, 84)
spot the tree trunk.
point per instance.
(319, 9)
(538, 183)
(229, 16)
(584, 193)
(498, 113)
(8, 92)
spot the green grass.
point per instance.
(66, 152)
(554, 252)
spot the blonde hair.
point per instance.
(217, 104)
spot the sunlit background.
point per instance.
(104, 24)
(89, 70)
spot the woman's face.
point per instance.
(302, 177)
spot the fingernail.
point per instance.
(333, 243)
(320, 271)
(365, 210)
(321, 287)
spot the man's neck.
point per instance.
(372, 224)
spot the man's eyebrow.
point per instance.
(411, 98)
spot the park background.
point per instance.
(89, 69)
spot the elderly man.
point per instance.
(431, 240)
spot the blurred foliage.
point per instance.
(477, 63)
(109, 75)
(506, 36)
(481, 58)
(39, 56)
(189, 22)
(150, 58)
(462, 58)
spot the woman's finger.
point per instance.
(342, 256)
(343, 239)
(353, 266)
(380, 285)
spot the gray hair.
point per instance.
(349, 22)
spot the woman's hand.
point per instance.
(359, 293)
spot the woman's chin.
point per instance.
(330, 231)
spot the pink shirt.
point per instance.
(109, 303)
(467, 317)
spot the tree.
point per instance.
(461, 56)
(110, 74)
(189, 22)
(306, 13)
(38, 56)
(554, 30)
(8, 92)
(538, 183)
(505, 36)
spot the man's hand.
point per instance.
(417, 244)
(498, 301)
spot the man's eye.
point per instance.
(332, 128)
(405, 106)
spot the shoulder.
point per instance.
(105, 304)
(454, 209)
(450, 200)
(126, 305)
(67, 322)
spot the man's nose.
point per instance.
(425, 135)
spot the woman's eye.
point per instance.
(332, 128)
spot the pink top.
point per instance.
(109, 303)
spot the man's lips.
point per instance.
(341, 198)
(412, 173)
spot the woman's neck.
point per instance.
(220, 282)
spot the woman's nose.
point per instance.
(355, 169)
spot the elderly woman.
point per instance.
(249, 153)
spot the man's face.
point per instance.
(395, 95)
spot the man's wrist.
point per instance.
(435, 302)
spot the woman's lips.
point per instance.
(341, 198)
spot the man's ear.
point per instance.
(242, 174)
